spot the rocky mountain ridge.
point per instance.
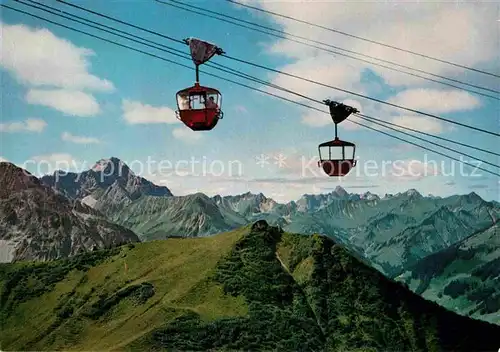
(37, 223)
(109, 181)
(385, 230)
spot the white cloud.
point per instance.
(419, 123)
(426, 27)
(316, 119)
(49, 163)
(68, 137)
(54, 158)
(187, 135)
(241, 109)
(135, 112)
(3, 160)
(412, 170)
(397, 176)
(432, 30)
(436, 101)
(37, 57)
(75, 103)
(318, 68)
(30, 125)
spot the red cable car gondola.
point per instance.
(338, 166)
(199, 107)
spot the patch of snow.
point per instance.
(7, 249)
(412, 192)
(101, 165)
(90, 201)
(83, 215)
(266, 206)
(370, 196)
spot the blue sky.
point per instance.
(68, 98)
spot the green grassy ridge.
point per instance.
(253, 288)
(341, 305)
(381, 305)
(108, 303)
(279, 316)
(26, 280)
(387, 315)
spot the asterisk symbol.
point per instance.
(262, 160)
(280, 160)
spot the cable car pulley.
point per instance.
(199, 107)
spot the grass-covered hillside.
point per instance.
(251, 289)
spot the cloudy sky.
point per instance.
(69, 100)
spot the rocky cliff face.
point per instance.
(109, 181)
(37, 223)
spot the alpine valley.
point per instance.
(444, 249)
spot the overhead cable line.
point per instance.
(423, 147)
(238, 83)
(75, 18)
(422, 139)
(122, 22)
(223, 68)
(152, 44)
(364, 96)
(298, 77)
(288, 36)
(429, 134)
(364, 39)
(155, 56)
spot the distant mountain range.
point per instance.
(37, 223)
(395, 233)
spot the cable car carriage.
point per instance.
(199, 107)
(337, 165)
(339, 158)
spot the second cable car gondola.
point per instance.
(337, 165)
(199, 107)
(340, 157)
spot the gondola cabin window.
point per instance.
(337, 157)
(197, 101)
(183, 102)
(336, 153)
